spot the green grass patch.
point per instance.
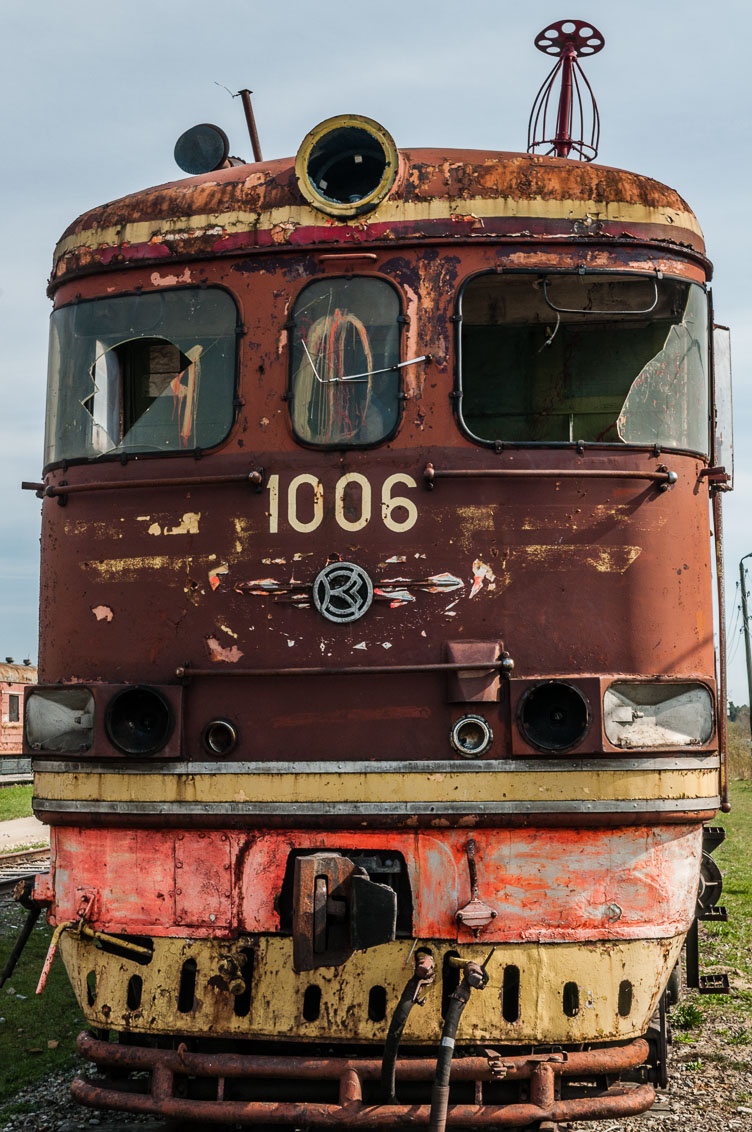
(728, 947)
(686, 1016)
(29, 1023)
(15, 802)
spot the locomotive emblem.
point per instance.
(342, 592)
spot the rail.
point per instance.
(506, 664)
(662, 476)
(254, 478)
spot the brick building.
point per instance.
(13, 679)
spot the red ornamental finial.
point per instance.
(575, 119)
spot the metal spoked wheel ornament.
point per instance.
(574, 125)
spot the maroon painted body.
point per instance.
(574, 576)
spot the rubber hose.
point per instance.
(393, 1039)
(440, 1090)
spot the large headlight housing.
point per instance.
(553, 716)
(59, 719)
(347, 165)
(657, 714)
(139, 721)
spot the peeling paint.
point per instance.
(220, 654)
(444, 583)
(159, 280)
(482, 573)
(102, 612)
(187, 526)
(217, 573)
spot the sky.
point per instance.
(95, 95)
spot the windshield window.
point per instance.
(141, 373)
(345, 343)
(598, 358)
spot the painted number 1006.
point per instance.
(305, 494)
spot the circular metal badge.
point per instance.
(342, 592)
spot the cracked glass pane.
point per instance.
(141, 373)
(610, 359)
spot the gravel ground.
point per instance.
(710, 1085)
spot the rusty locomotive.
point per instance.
(378, 719)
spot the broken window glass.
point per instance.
(613, 359)
(141, 373)
(345, 389)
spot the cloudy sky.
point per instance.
(94, 96)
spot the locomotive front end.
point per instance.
(378, 720)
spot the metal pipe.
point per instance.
(563, 140)
(186, 672)
(20, 944)
(745, 622)
(605, 1061)
(245, 98)
(663, 476)
(254, 478)
(722, 673)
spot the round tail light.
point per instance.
(553, 716)
(220, 737)
(471, 736)
(139, 721)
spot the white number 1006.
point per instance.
(307, 493)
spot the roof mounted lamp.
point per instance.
(574, 127)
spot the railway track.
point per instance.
(20, 864)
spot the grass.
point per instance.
(739, 751)
(15, 802)
(727, 947)
(37, 1033)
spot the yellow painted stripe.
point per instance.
(376, 788)
(391, 211)
(277, 992)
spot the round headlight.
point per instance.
(139, 721)
(553, 716)
(346, 165)
(471, 736)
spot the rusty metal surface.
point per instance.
(218, 590)
(501, 195)
(630, 883)
(541, 1071)
(18, 674)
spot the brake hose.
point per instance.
(424, 975)
(474, 976)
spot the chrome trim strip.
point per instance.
(377, 809)
(433, 766)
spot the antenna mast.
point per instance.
(575, 120)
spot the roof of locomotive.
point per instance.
(438, 195)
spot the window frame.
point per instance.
(126, 456)
(594, 445)
(290, 394)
